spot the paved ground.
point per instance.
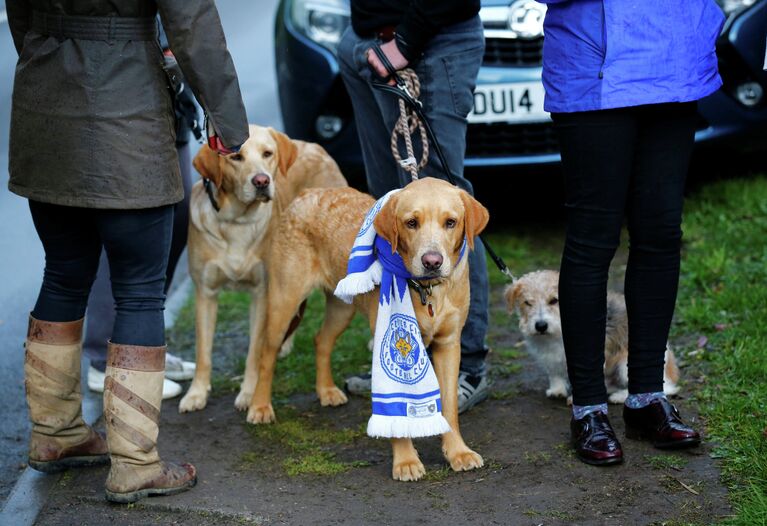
(248, 27)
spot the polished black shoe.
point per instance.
(594, 440)
(660, 423)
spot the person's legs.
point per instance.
(597, 158)
(60, 438)
(137, 243)
(101, 304)
(664, 146)
(72, 247)
(101, 317)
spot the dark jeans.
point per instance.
(625, 163)
(136, 243)
(101, 304)
(448, 73)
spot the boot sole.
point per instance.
(134, 496)
(635, 434)
(603, 462)
(57, 466)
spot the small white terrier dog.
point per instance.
(535, 298)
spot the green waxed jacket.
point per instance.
(92, 122)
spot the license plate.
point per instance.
(512, 102)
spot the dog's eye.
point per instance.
(267, 154)
(236, 157)
(450, 223)
(553, 301)
(528, 303)
(411, 223)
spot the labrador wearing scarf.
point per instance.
(426, 223)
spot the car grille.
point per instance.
(513, 52)
(507, 140)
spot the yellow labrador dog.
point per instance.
(426, 223)
(227, 246)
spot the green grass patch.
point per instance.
(528, 248)
(723, 297)
(305, 446)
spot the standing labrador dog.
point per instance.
(227, 246)
(426, 223)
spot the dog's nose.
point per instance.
(432, 260)
(541, 326)
(260, 180)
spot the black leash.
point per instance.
(401, 91)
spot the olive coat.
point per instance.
(92, 122)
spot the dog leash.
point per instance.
(406, 84)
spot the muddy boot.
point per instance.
(132, 398)
(60, 438)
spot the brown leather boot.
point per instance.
(60, 438)
(132, 398)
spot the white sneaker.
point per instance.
(96, 379)
(178, 369)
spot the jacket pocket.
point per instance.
(462, 70)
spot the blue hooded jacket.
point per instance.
(602, 54)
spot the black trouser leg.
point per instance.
(654, 216)
(597, 152)
(621, 162)
(72, 247)
(137, 246)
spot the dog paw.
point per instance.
(465, 461)
(193, 401)
(331, 396)
(556, 392)
(618, 397)
(408, 470)
(242, 402)
(261, 415)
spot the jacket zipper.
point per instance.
(604, 42)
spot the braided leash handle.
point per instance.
(408, 124)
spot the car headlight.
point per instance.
(731, 6)
(323, 21)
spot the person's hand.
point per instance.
(391, 51)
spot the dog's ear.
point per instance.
(385, 222)
(511, 294)
(287, 152)
(206, 162)
(475, 218)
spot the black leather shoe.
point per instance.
(594, 440)
(660, 423)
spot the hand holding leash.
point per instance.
(393, 60)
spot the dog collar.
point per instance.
(209, 190)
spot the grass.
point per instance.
(723, 297)
(303, 446)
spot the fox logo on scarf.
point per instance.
(406, 397)
(403, 360)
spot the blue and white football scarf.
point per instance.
(405, 390)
